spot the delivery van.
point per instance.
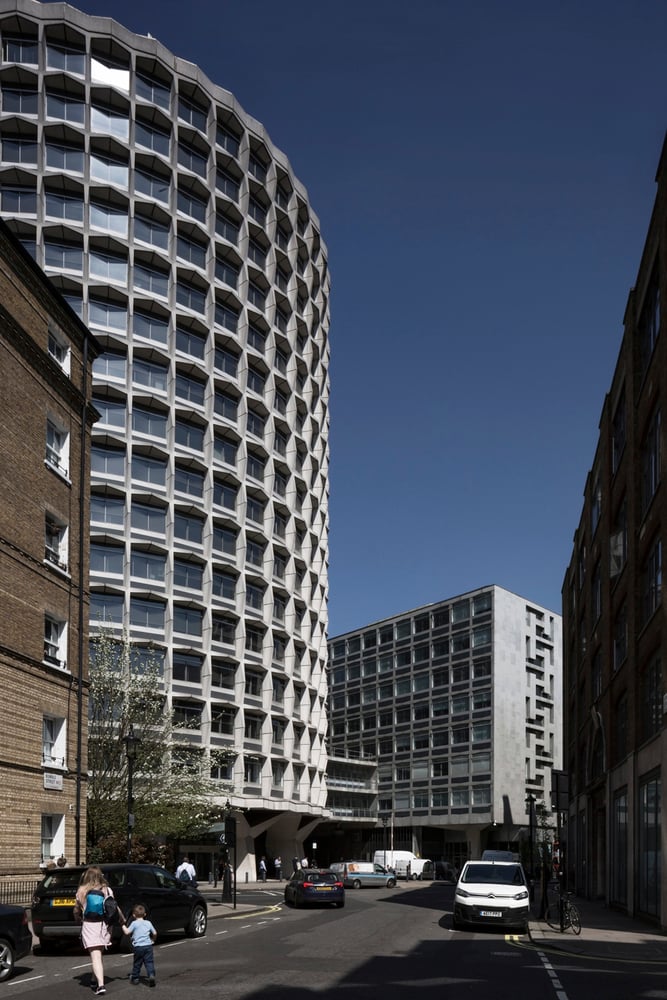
(404, 863)
(358, 874)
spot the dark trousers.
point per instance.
(143, 956)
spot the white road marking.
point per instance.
(555, 982)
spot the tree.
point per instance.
(173, 794)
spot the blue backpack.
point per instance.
(94, 905)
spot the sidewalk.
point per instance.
(605, 934)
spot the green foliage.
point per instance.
(173, 795)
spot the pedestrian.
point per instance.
(278, 867)
(89, 910)
(295, 865)
(304, 862)
(262, 870)
(186, 872)
(143, 936)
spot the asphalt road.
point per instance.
(388, 944)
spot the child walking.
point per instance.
(143, 935)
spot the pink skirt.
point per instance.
(95, 934)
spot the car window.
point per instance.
(322, 878)
(164, 878)
(62, 879)
(144, 878)
(116, 878)
(494, 874)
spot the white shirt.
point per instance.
(187, 867)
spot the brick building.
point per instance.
(614, 626)
(46, 359)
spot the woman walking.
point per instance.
(95, 935)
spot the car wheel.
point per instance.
(356, 884)
(391, 883)
(198, 922)
(6, 960)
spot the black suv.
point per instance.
(171, 905)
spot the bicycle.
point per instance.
(563, 914)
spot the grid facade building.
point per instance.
(181, 237)
(46, 358)
(460, 703)
(614, 625)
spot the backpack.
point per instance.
(183, 876)
(94, 909)
(111, 911)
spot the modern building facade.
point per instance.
(182, 238)
(615, 629)
(46, 358)
(459, 703)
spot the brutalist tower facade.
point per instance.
(183, 240)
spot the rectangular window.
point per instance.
(107, 510)
(650, 461)
(649, 321)
(224, 585)
(186, 667)
(21, 50)
(146, 566)
(55, 541)
(187, 574)
(57, 447)
(188, 621)
(151, 138)
(147, 614)
(109, 171)
(152, 232)
(618, 432)
(106, 608)
(152, 91)
(226, 406)
(25, 151)
(651, 699)
(55, 642)
(17, 201)
(649, 867)
(223, 629)
(150, 423)
(188, 528)
(152, 185)
(193, 344)
(620, 636)
(110, 122)
(189, 204)
(149, 470)
(652, 581)
(224, 495)
(107, 559)
(54, 741)
(149, 519)
(189, 436)
(224, 540)
(619, 848)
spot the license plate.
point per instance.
(62, 902)
(490, 913)
(324, 888)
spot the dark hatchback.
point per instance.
(315, 885)
(15, 938)
(172, 905)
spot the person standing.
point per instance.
(296, 864)
(89, 909)
(278, 868)
(186, 872)
(262, 870)
(143, 936)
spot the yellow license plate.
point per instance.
(62, 902)
(324, 888)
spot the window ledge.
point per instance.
(61, 473)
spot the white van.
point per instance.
(399, 861)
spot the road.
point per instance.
(387, 944)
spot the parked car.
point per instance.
(15, 938)
(172, 905)
(360, 874)
(443, 870)
(315, 885)
(491, 893)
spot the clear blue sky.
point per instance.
(484, 176)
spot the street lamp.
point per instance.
(530, 802)
(229, 839)
(131, 741)
(384, 838)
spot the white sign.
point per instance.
(54, 781)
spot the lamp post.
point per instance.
(384, 838)
(530, 802)
(131, 742)
(230, 842)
